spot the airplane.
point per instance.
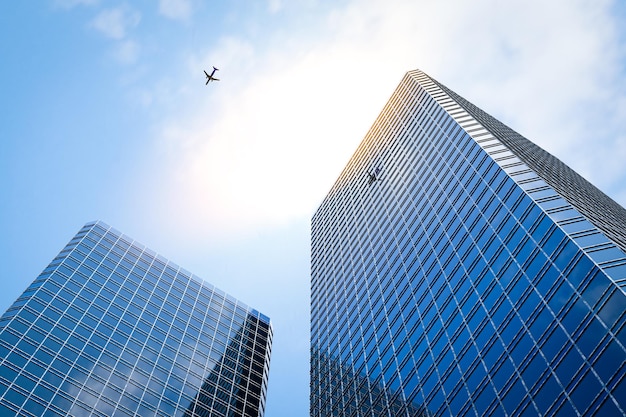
(211, 77)
(373, 177)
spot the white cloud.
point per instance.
(115, 23)
(176, 9)
(265, 144)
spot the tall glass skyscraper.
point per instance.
(110, 328)
(460, 270)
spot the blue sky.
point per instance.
(104, 115)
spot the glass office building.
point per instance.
(457, 269)
(110, 328)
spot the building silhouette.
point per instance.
(457, 269)
(112, 328)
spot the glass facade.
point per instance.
(110, 328)
(457, 269)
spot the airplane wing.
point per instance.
(210, 77)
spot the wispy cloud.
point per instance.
(275, 5)
(176, 9)
(265, 144)
(114, 23)
(126, 51)
(69, 4)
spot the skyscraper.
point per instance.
(457, 269)
(112, 328)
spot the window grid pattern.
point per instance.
(566, 196)
(112, 328)
(443, 288)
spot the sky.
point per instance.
(104, 115)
